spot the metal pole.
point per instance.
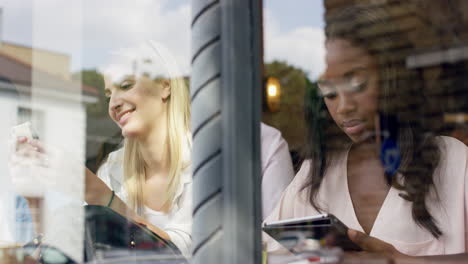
(225, 90)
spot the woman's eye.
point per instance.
(126, 85)
(360, 87)
(331, 95)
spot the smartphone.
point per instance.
(23, 130)
(328, 230)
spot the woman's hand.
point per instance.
(98, 193)
(31, 150)
(143, 222)
(372, 244)
(30, 166)
(374, 247)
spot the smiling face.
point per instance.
(349, 87)
(137, 105)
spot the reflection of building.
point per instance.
(289, 118)
(436, 52)
(40, 91)
(54, 63)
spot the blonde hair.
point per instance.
(178, 139)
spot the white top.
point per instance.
(277, 169)
(157, 218)
(178, 223)
(277, 173)
(394, 223)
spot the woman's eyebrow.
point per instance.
(125, 78)
(128, 77)
(322, 81)
(353, 71)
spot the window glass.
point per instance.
(371, 98)
(77, 80)
(293, 59)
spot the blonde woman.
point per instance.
(150, 176)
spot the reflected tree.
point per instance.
(289, 118)
(94, 79)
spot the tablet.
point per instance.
(326, 229)
(109, 233)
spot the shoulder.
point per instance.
(111, 171)
(116, 156)
(269, 133)
(186, 150)
(453, 159)
(183, 195)
(272, 142)
(113, 159)
(332, 176)
(303, 173)
(453, 151)
(451, 142)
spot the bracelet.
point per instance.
(111, 199)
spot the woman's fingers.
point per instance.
(28, 149)
(372, 244)
(366, 242)
(21, 140)
(351, 257)
(34, 143)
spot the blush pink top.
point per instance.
(394, 223)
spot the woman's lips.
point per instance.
(354, 126)
(124, 118)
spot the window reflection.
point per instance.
(377, 155)
(53, 68)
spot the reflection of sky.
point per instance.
(16, 21)
(294, 33)
(293, 29)
(296, 13)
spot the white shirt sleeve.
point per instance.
(286, 206)
(111, 173)
(465, 154)
(103, 173)
(179, 226)
(277, 169)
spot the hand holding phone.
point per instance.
(26, 145)
(328, 230)
(22, 131)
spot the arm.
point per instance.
(179, 228)
(98, 193)
(466, 197)
(374, 245)
(289, 206)
(277, 169)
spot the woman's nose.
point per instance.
(115, 103)
(346, 103)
